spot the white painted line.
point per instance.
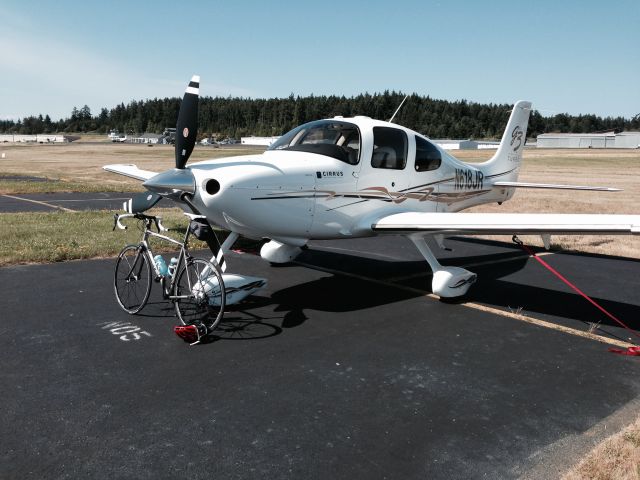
(477, 306)
(39, 203)
(505, 260)
(96, 199)
(471, 265)
(544, 323)
(359, 252)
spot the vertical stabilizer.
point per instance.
(505, 164)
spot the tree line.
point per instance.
(237, 117)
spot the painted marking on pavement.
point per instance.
(126, 331)
(95, 199)
(477, 306)
(543, 323)
(39, 203)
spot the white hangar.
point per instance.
(589, 140)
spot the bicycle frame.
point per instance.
(144, 248)
(183, 256)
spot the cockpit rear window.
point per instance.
(427, 156)
(340, 140)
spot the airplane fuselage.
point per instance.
(293, 196)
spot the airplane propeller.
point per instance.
(177, 183)
(187, 126)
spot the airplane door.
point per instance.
(387, 160)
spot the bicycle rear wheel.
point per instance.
(132, 279)
(199, 293)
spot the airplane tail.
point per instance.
(505, 164)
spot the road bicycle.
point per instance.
(194, 285)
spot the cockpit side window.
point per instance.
(340, 140)
(428, 157)
(389, 148)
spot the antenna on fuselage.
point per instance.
(398, 109)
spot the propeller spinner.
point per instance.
(177, 182)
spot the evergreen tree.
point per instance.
(233, 117)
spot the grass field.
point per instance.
(78, 167)
(610, 168)
(61, 236)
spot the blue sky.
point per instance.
(564, 56)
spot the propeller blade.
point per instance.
(187, 126)
(141, 202)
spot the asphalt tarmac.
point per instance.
(342, 367)
(50, 202)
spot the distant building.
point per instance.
(147, 138)
(42, 138)
(265, 141)
(589, 140)
(169, 135)
(451, 144)
(628, 140)
(488, 145)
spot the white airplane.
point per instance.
(358, 177)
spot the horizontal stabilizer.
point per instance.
(554, 186)
(130, 171)
(508, 223)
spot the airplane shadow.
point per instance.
(363, 282)
(369, 282)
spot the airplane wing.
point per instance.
(130, 171)
(554, 186)
(508, 223)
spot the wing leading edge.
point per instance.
(130, 171)
(508, 223)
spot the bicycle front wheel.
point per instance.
(132, 279)
(199, 293)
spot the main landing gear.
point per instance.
(448, 282)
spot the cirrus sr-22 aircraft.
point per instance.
(357, 177)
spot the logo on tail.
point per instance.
(516, 136)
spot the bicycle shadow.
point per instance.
(239, 322)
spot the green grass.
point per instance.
(61, 236)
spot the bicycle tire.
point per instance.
(199, 293)
(132, 291)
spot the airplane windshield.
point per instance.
(336, 139)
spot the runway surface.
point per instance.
(342, 367)
(50, 202)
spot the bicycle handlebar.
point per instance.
(140, 216)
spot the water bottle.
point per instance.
(161, 264)
(173, 263)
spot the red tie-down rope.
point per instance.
(635, 350)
